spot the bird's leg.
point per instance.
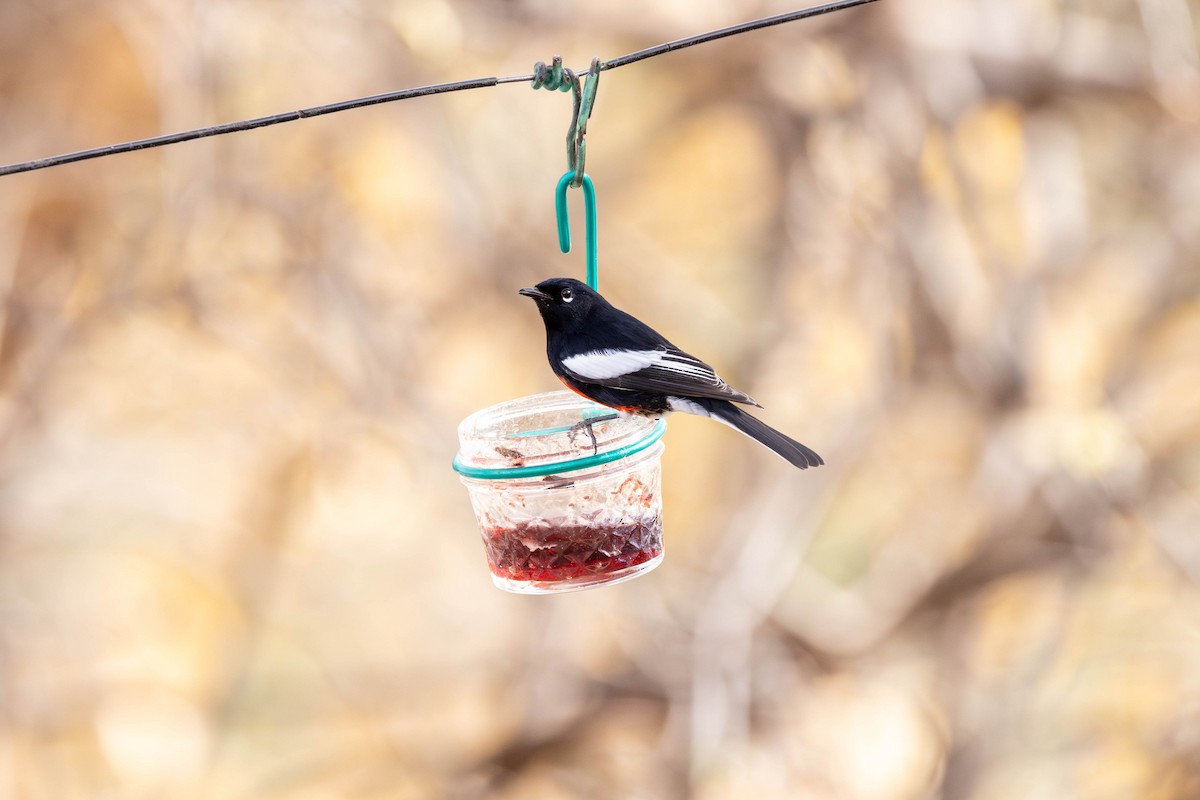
(587, 425)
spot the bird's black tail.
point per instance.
(795, 453)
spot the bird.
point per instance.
(616, 360)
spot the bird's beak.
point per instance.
(536, 294)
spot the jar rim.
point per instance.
(469, 468)
(560, 467)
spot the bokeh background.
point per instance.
(951, 245)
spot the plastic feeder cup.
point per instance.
(557, 513)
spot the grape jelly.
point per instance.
(540, 552)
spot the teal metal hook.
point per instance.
(556, 77)
(589, 222)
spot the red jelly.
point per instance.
(538, 551)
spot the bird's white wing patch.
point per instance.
(600, 365)
(678, 362)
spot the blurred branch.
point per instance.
(536, 741)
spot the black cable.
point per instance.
(732, 30)
(420, 91)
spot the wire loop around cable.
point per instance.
(555, 77)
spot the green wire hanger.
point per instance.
(556, 77)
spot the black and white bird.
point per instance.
(618, 361)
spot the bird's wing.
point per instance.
(666, 371)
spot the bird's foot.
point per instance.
(587, 426)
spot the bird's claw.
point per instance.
(587, 424)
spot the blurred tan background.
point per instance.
(951, 245)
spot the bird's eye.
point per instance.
(567, 295)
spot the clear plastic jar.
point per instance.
(557, 512)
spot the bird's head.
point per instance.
(564, 301)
